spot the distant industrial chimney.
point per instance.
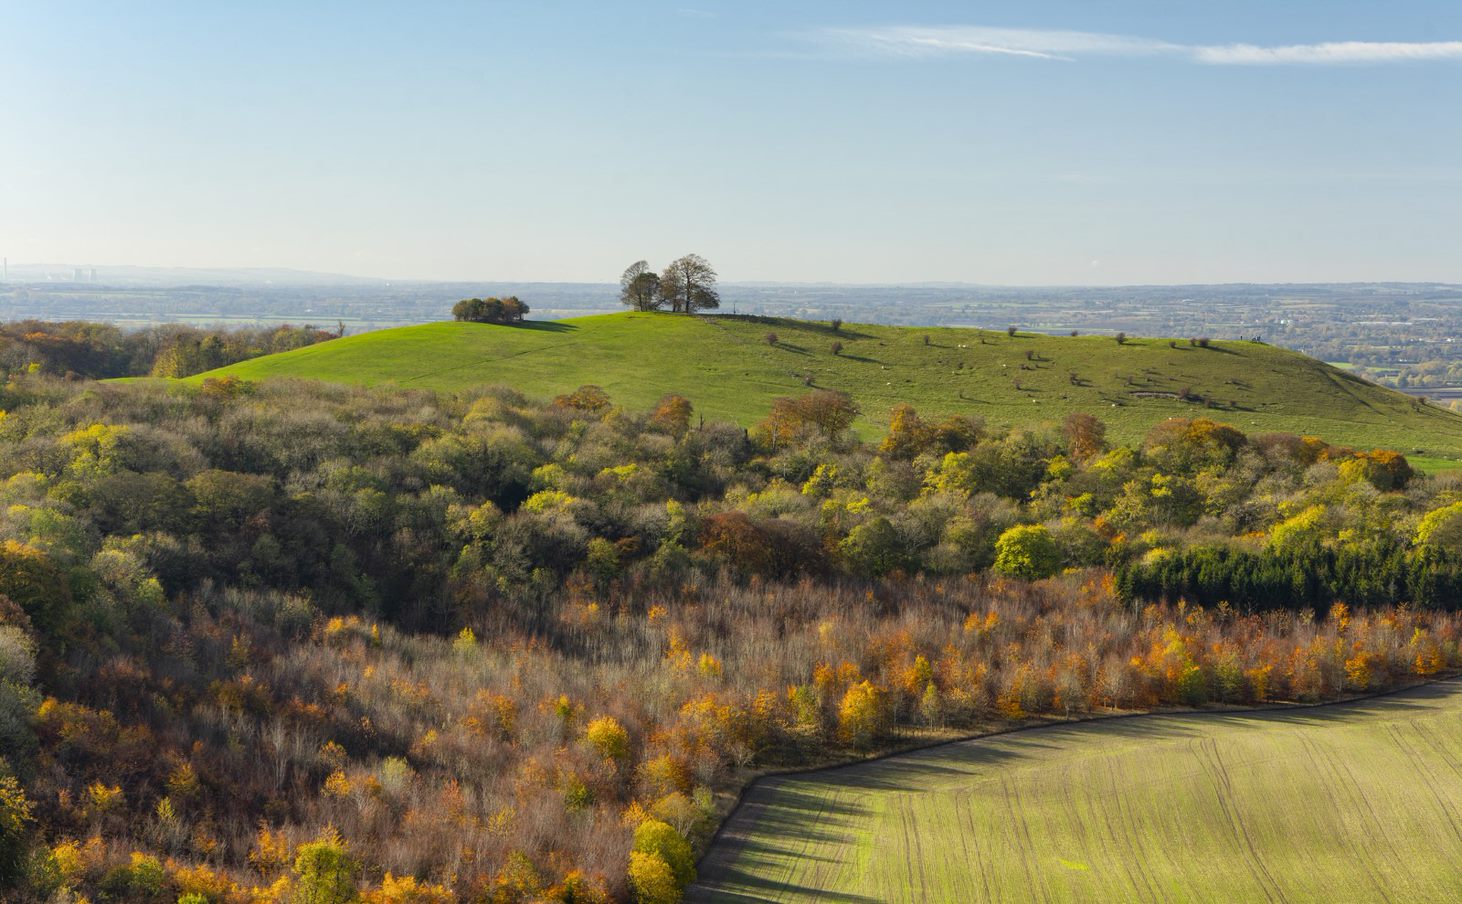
(76, 275)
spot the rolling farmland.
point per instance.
(1351, 802)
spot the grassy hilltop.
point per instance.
(726, 366)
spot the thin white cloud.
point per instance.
(1048, 44)
(1336, 52)
(918, 41)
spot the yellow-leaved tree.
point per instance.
(861, 715)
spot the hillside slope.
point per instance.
(726, 366)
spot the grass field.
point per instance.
(727, 368)
(1354, 802)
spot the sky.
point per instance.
(1018, 143)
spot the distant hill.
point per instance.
(727, 367)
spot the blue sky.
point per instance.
(1027, 143)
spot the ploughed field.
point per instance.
(727, 367)
(1350, 802)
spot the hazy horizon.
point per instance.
(62, 272)
(991, 144)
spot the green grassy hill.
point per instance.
(728, 369)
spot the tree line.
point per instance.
(82, 349)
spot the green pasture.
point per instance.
(1353, 802)
(729, 369)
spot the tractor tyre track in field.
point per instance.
(1337, 786)
(1212, 760)
(1419, 765)
(1000, 831)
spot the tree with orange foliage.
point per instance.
(1086, 436)
(672, 414)
(1384, 469)
(822, 411)
(587, 398)
(1184, 446)
(739, 540)
(907, 433)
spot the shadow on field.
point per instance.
(803, 815)
(817, 816)
(961, 762)
(785, 346)
(777, 888)
(547, 326)
(805, 326)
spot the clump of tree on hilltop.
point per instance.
(490, 310)
(686, 286)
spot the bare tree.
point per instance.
(639, 287)
(689, 284)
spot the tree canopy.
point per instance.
(490, 310)
(639, 287)
(689, 285)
